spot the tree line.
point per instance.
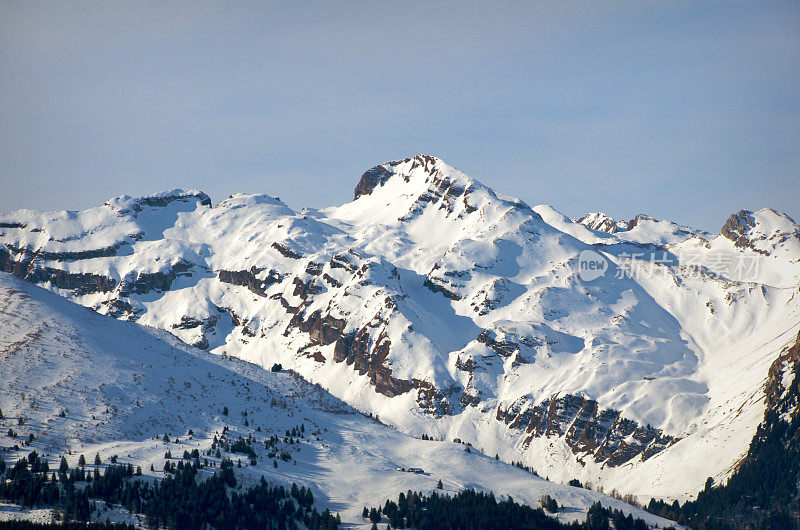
(179, 501)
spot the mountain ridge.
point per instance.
(448, 308)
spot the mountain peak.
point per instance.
(406, 190)
(761, 230)
(380, 174)
(601, 222)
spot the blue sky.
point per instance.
(683, 110)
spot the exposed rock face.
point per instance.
(638, 219)
(28, 268)
(286, 251)
(737, 226)
(146, 282)
(78, 283)
(783, 384)
(366, 350)
(160, 200)
(205, 326)
(503, 348)
(603, 434)
(599, 221)
(25, 254)
(357, 349)
(761, 231)
(250, 279)
(433, 283)
(371, 179)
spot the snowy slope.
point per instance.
(121, 386)
(449, 309)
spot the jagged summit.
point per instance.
(602, 222)
(424, 187)
(380, 174)
(760, 230)
(419, 174)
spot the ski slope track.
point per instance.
(86, 383)
(448, 309)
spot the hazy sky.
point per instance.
(683, 110)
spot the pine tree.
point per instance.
(439, 485)
(82, 461)
(64, 466)
(97, 460)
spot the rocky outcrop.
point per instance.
(121, 309)
(737, 227)
(503, 348)
(433, 401)
(638, 219)
(160, 281)
(164, 199)
(250, 279)
(307, 288)
(601, 434)
(784, 399)
(206, 325)
(371, 179)
(432, 285)
(762, 231)
(368, 357)
(367, 354)
(444, 192)
(29, 269)
(79, 283)
(322, 330)
(344, 261)
(286, 251)
(600, 222)
(26, 254)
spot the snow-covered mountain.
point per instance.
(83, 384)
(450, 310)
